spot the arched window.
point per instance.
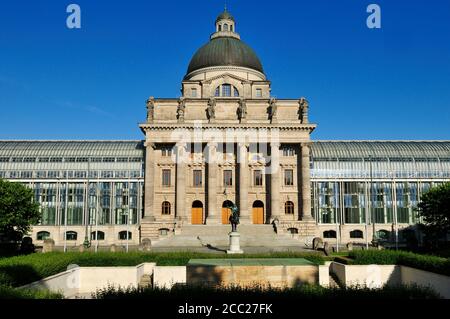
(329, 234)
(42, 235)
(165, 208)
(71, 235)
(124, 235)
(356, 234)
(226, 90)
(101, 235)
(289, 208)
(225, 27)
(220, 27)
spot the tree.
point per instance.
(18, 211)
(435, 210)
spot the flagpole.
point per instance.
(96, 213)
(66, 212)
(128, 211)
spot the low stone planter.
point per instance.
(375, 276)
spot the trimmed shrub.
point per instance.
(430, 263)
(7, 292)
(223, 294)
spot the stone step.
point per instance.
(217, 236)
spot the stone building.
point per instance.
(225, 141)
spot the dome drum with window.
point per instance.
(226, 90)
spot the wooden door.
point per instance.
(258, 215)
(226, 212)
(197, 216)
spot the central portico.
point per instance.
(226, 140)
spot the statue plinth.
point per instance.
(235, 246)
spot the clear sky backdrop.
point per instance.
(92, 83)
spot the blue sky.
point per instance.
(389, 83)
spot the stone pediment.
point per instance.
(226, 77)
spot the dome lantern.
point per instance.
(225, 49)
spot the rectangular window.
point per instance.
(53, 174)
(226, 90)
(289, 151)
(26, 174)
(228, 178)
(258, 92)
(4, 159)
(197, 178)
(109, 159)
(289, 177)
(194, 92)
(107, 174)
(56, 160)
(166, 177)
(166, 151)
(122, 159)
(257, 178)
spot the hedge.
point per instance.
(7, 292)
(306, 291)
(21, 270)
(430, 263)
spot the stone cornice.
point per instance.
(238, 126)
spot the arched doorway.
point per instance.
(258, 212)
(226, 212)
(197, 213)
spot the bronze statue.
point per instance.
(234, 218)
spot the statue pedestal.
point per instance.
(235, 246)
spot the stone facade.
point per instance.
(227, 140)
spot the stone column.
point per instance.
(275, 180)
(149, 195)
(213, 213)
(243, 184)
(180, 187)
(306, 182)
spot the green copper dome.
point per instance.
(225, 51)
(225, 15)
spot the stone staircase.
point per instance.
(217, 236)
